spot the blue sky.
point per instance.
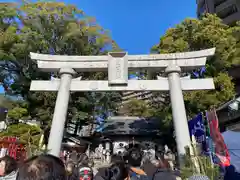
(136, 25)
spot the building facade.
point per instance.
(229, 113)
(147, 96)
(227, 10)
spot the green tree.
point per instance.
(6, 102)
(49, 28)
(19, 111)
(207, 32)
(26, 133)
(136, 107)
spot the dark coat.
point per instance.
(164, 174)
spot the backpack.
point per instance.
(85, 173)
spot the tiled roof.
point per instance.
(132, 126)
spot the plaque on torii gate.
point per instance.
(118, 64)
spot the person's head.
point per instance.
(134, 157)
(42, 167)
(117, 171)
(7, 165)
(70, 165)
(85, 173)
(84, 168)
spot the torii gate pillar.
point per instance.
(60, 111)
(178, 108)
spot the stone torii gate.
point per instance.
(118, 64)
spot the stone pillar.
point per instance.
(178, 109)
(60, 112)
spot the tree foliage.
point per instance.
(136, 107)
(6, 102)
(26, 133)
(207, 32)
(19, 111)
(16, 109)
(49, 28)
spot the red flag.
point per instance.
(221, 150)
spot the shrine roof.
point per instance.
(132, 126)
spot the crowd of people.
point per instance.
(49, 167)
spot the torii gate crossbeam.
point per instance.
(118, 64)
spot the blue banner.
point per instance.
(197, 129)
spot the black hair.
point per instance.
(42, 167)
(117, 171)
(10, 164)
(134, 157)
(116, 159)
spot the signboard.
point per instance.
(117, 68)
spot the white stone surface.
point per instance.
(171, 56)
(133, 85)
(117, 68)
(60, 112)
(188, 60)
(153, 65)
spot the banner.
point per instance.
(197, 129)
(11, 147)
(220, 147)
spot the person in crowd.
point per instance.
(71, 170)
(74, 156)
(84, 169)
(85, 173)
(134, 159)
(117, 170)
(83, 160)
(8, 168)
(230, 173)
(70, 165)
(159, 169)
(42, 167)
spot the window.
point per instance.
(227, 11)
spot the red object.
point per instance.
(15, 149)
(221, 149)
